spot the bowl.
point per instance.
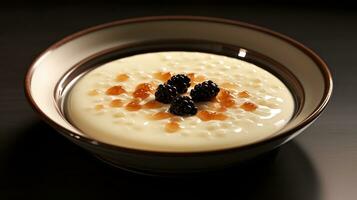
(58, 67)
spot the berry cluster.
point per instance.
(184, 105)
(204, 91)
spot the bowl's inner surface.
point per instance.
(280, 71)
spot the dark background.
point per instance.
(36, 162)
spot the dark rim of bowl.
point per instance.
(79, 138)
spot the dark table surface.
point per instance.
(35, 161)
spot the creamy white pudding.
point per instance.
(114, 103)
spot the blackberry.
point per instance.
(165, 93)
(204, 91)
(181, 82)
(183, 106)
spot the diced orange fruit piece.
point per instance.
(225, 98)
(243, 94)
(115, 90)
(176, 119)
(191, 76)
(228, 85)
(143, 90)
(98, 107)
(207, 115)
(162, 76)
(93, 93)
(222, 109)
(153, 104)
(116, 103)
(200, 78)
(249, 106)
(134, 105)
(196, 78)
(160, 116)
(172, 127)
(122, 77)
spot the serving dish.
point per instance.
(54, 71)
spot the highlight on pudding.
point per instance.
(179, 102)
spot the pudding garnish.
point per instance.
(244, 94)
(207, 115)
(143, 91)
(249, 106)
(171, 127)
(160, 116)
(122, 77)
(116, 103)
(153, 104)
(134, 105)
(115, 90)
(93, 93)
(225, 98)
(162, 76)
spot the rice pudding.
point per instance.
(115, 103)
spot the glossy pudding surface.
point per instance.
(115, 103)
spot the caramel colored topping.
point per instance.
(122, 77)
(210, 106)
(160, 116)
(98, 107)
(200, 78)
(163, 76)
(153, 104)
(215, 106)
(176, 119)
(171, 127)
(115, 90)
(228, 85)
(206, 115)
(143, 91)
(134, 105)
(222, 109)
(225, 98)
(116, 103)
(196, 78)
(191, 76)
(153, 86)
(93, 93)
(249, 106)
(243, 94)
